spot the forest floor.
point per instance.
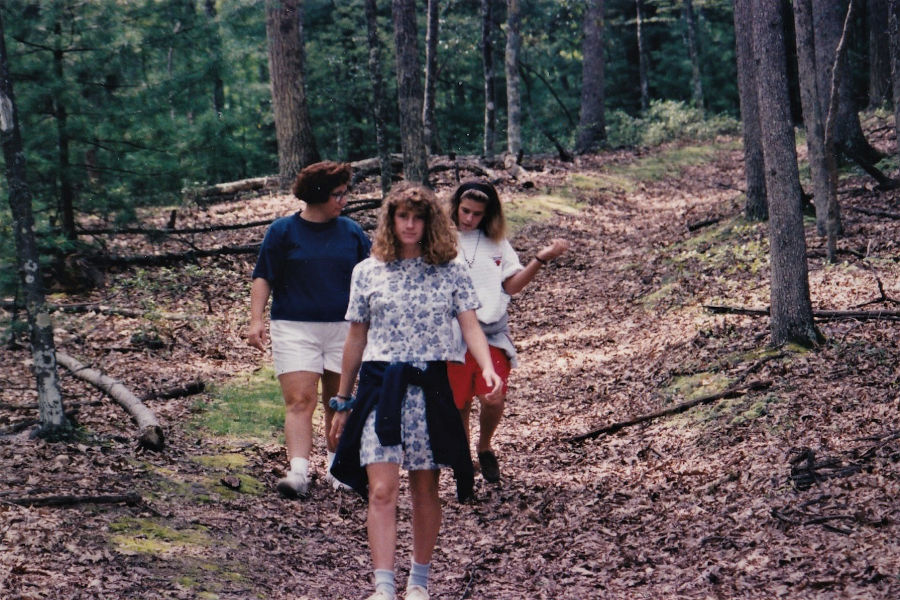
(787, 486)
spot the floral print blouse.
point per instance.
(410, 307)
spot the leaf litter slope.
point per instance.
(786, 492)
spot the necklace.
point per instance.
(471, 262)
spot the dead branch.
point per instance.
(170, 231)
(704, 223)
(876, 213)
(171, 258)
(100, 309)
(188, 389)
(224, 192)
(822, 315)
(732, 392)
(151, 433)
(130, 498)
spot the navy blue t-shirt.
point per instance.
(308, 265)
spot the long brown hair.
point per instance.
(439, 237)
(493, 223)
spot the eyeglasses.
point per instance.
(340, 195)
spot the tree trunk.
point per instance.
(894, 31)
(642, 54)
(432, 34)
(828, 20)
(409, 92)
(379, 107)
(43, 351)
(824, 180)
(284, 30)
(513, 93)
(879, 53)
(66, 200)
(487, 59)
(791, 310)
(218, 97)
(694, 54)
(592, 122)
(756, 207)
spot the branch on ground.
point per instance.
(732, 392)
(130, 498)
(151, 433)
(822, 315)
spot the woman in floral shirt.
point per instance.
(403, 302)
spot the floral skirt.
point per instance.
(414, 453)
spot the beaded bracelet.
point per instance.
(342, 403)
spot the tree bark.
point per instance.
(409, 92)
(379, 107)
(642, 53)
(823, 170)
(293, 130)
(592, 121)
(894, 33)
(43, 351)
(694, 54)
(66, 200)
(756, 205)
(879, 53)
(513, 93)
(828, 19)
(215, 54)
(432, 35)
(791, 318)
(487, 60)
(151, 433)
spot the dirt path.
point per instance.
(700, 505)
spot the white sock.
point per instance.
(300, 465)
(330, 458)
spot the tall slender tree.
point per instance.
(513, 91)
(487, 61)
(879, 53)
(43, 350)
(642, 54)
(409, 91)
(690, 29)
(790, 308)
(756, 205)
(821, 160)
(379, 108)
(592, 121)
(432, 35)
(894, 32)
(284, 30)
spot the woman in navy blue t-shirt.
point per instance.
(305, 263)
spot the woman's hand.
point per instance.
(554, 250)
(256, 335)
(337, 427)
(493, 380)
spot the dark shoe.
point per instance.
(490, 469)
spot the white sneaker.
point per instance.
(379, 595)
(293, 485)
(416, 592)
(336, 483)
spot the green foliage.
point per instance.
(665, 121)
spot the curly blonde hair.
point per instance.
(439, 238)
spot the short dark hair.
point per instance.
(315, 182)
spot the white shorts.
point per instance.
(308, 345)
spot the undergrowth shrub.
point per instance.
(665, 121)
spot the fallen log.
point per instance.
(732, 392)
(170, 231)
(172, 258)
(130, 498)
(100, 309)
(822, 315)
(151, 433)
(188, 389)
(875, 213)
